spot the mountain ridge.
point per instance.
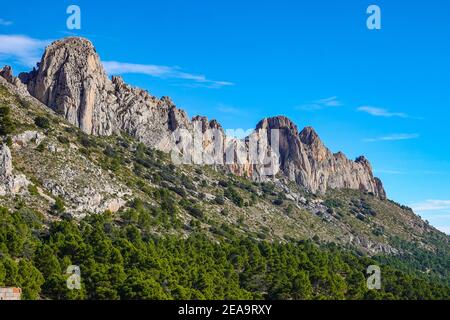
(68, 174)
(71, 80)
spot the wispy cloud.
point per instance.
(27, 51)
(436, 211)
(320, 104)
(379, 112)
(394, 137)
(431, 205)
(413, 172)
(444, 229)
(21, 49)
(434, 172)
(394, 172)
(329, 102)
(5, 23)
(163, 72)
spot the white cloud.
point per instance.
(5, 23)
(394, 137)
(22, 49)
(445, 229)
(415, 172)
(27, 51)
(431, 205)
(163, 72)
(436, 211)
(329, 102)
(379, 112)
(320, 104)
(389, 171)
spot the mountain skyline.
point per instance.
(72, 81)
(342, 85)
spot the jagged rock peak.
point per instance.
(70, 50)
(71, 80)
(207, 124)
(118, 81)
(167, 101)
(75, 43)
(278, 122)
(7, 73)
(305, 159)
(364, 162)
(309, 136)
(380, 189)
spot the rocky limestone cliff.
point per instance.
(306, 160)
(56, 169)
(93, 174)
(71, 80)
(10, 183)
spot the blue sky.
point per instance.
(382, 93)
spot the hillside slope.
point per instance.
(57, 182)
(93, 174)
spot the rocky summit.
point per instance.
(71, 80)
(306, 160)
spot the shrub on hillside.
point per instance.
(42, 122)
(219, 200)
(59, 207)
(234, 196)
(63, 140)
(6, 124)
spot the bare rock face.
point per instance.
(305, 159)
(7, 74)
(71, 80)
(26, 138)
(5, 162)
(9, 183)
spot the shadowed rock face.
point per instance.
(6, 73)
(306, 160)
(71, 80)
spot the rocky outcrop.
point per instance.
(7, 74)
(5, 162)
(10, 183)
(27, 137)
(71, 80)
(305, 159)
